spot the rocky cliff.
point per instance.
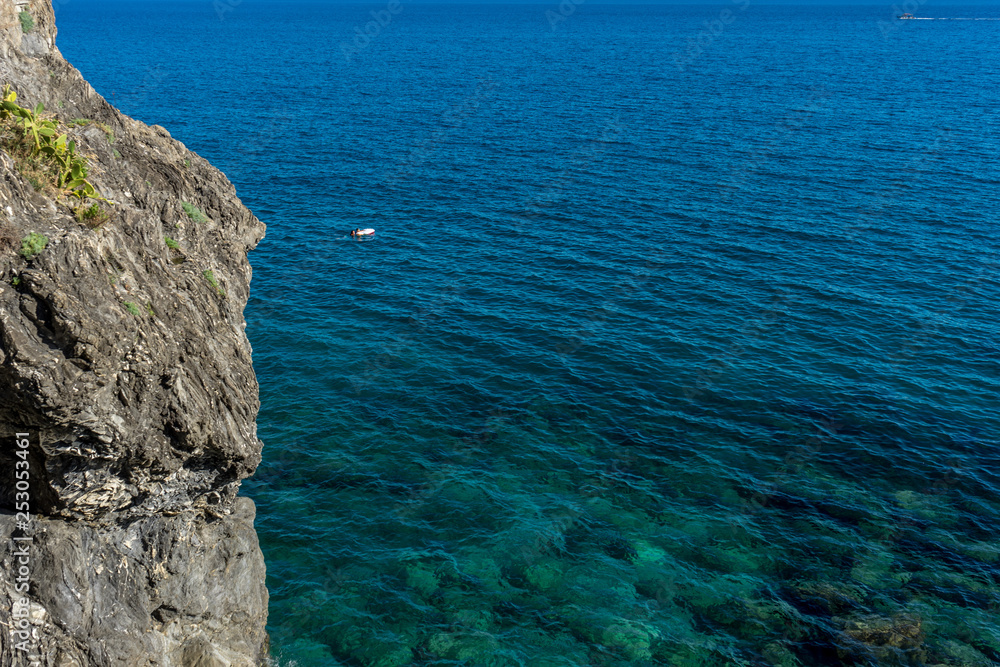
(127, 396)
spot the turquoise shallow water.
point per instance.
(659, 356)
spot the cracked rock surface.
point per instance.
(125, 360)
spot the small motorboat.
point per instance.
(363, 232)
(907, 16)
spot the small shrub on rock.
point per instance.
(32, 244)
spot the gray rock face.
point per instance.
(158, 591)
(125, 360)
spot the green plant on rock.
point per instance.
(73, 169)
(132, 308)
(40, 139)
(210, 277)
(32, 244)
(193, 212)
(172, 244)
(26, 120)
(93, 216)
(108, 132)
(27, 22)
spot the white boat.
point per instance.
(363, 232)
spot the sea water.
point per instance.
(677, 342)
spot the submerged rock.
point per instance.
(827, 597)
(897, 640)
(123, 358)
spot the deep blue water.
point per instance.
(672, 348)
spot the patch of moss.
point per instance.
(27, 22)
(193, 212)
(210, 277)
